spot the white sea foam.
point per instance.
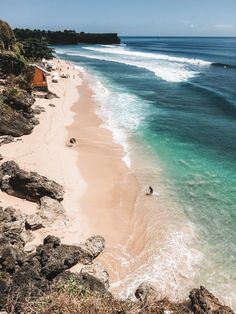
(121, 112)
(146, 55)
(174, 72)
(170, 265)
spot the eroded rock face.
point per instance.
(33, 222)
(93, 274)
(11, 220)
(50, 210)
(204, 302)
(27, 185)
(146, 292)
(12, 122)
(56, 257)
(92, 247)
(18, 99)
(31, 275)
(6, 139)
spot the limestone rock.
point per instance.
(204, 302)
(29, 247)
(55, 258)
(33, 222)
(92, 247)
(50, 210)
(18, 99)
(95, 271)
(12, 122)
(6, 139)
(27, 185)
(35, 121)
(146, 292)
(11, 219)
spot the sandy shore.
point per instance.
(100, 191)
(45, 151)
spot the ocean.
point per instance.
(171, 103)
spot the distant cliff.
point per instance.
(67, 37)
(92, 38)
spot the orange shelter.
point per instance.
(40, 80)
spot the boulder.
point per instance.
(27, 185)
(88, 273)
(29, 247)
(35, 121)
(11, 252)
(55, 258)
(92, 247)
(6, 139)
(50, 210)
(12, 122)
(11, 219)
(1, 157)
(146, 292)
(92, 283)
(204, 302)
(18, 99)
(33, 222)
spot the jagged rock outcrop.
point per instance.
(18, 99)
(204, 302)
(95, 277)
(27, 185)
(6, 139)
(56, 257)
(12, 122)
(92, 247)
(26, 276)
(16, 77)
(33, 222)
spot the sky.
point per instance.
(126, 17)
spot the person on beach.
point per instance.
(150, 191)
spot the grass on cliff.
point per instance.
(69, 297)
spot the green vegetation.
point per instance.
(65, 37)
(35, 49)
(73, 287)
(7, 37)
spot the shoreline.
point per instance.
(100, 190)
(110, 197)
(45, 151)
(102, 194)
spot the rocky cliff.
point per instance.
(16, 115)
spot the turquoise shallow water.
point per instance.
(175, 98)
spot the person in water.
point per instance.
(150, 191)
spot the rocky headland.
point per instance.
(39, 281)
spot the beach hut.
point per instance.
(39, 80)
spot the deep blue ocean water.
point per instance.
(176, 97)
